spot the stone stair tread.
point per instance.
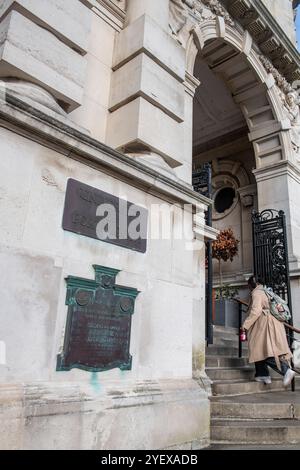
(243, 381)
(238, 381)
(246, 413)
(224, 329)
(243, 387)
(223, 350)
(255, 431)
(225, 361)
(227, 357)
(276, 397)
(253, 447)
(230, 368)
(255, 423)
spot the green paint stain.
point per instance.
(95, 382)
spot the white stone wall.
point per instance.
(94, 111)
(37, 255)
(128, 82)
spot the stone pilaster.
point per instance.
(278, 187)
(147, 92)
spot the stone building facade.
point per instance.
(129, 97)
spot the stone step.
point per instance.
(252, 447)
(225, 337)
(239, 387)
(224, 330)
(255, 432)
(253, 411)
(225, 361)
(227, 342)
(228, 351)
(232, 373)
(221, 373)
(231, 342)
(276, 405)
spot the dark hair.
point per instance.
(254, 281)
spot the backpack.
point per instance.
(278, 307)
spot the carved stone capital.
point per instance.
(247, 194)
(217, 8)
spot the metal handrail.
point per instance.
(291, 327)
(241, 304)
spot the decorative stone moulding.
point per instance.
(221, 182)
(231, 174)
(247, 200)
(247, 195)
(274, 121)
(111, 11)
(254, 17)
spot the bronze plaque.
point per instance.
(96, 214)
(97, 336)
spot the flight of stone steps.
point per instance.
(245, 412)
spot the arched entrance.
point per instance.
(241, 127)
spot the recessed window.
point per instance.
(224, 200)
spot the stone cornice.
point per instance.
(115, 15)
(191, 84)
(38, 126)
(267, 34)
(284, 167)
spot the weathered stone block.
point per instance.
(145, 35)
(144, 77)
(141, 122)
(68, 19)
(32, 53)
(65, 417)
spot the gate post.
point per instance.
(202, 184)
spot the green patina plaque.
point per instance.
(98, 328)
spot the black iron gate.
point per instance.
(202, 185)
(270, 253)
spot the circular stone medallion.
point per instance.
(126, 304)
(82, 297)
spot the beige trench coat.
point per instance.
(266, 335)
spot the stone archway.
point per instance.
(261, 93)
(232, 56)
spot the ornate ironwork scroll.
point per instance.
(270, 253)
(270, 250)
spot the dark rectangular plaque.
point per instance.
(96, 214)
(98, 341)
(97, 336)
